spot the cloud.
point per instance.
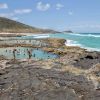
(85, 26)
(3, 6)
(14, 13)
(70, 13)
(59, 6)
(22, 11)
(15, 18)
(43, 7)
(6, 14)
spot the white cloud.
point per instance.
(70, 13)
(43, 7)
(22, 11)
(85, 26)
(14, 13)
(15, 18)
(3, 6)
(59, 6)
(6, 14)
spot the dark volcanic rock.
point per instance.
(95, 95)
(31, 82)
(88, 60)
(57, 94)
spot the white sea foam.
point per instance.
(91, 49)
(72, 43)
(75, 43)
(41, 36)
(87, 35)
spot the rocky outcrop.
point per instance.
(95, 95)
(57, 94)
(95, 70)
(75, 56)
(87, 60)
(35, 81)
(75, 75)
(69, 31)
(54, 42)
(94, 74)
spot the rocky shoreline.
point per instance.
(75, 75)
(47, 80)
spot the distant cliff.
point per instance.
(11, 26)
(69, 31)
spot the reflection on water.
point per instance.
(21, 53)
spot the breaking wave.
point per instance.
(75, 43)
(87, 35)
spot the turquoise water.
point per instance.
(21, 53)
(90, 41)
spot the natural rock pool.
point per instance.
(21, 53)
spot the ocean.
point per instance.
(89, 41)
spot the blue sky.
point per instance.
(75, 15)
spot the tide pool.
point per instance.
(21, 53)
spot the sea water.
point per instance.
(21, 53)
(89, 41)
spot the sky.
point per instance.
(75, 15)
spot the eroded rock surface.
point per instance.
(37, 81)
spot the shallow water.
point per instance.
(90, 41)
(21, 53)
